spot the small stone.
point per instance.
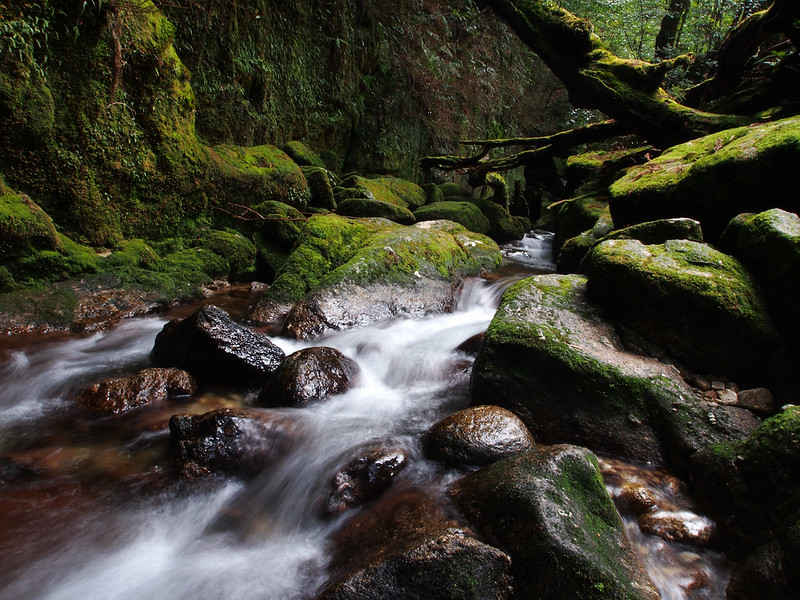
(710, 395)
(680, 526)
(717, 385)
(636, 498)
(758, 400)
(726, 396)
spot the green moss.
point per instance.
(391, 190)
(319, 183)
(502, 226)
(237, 250)
(133, 253)
(451, 191)
(465, 213)
(302, 154)
(24, 227)
(366, 207)
(52, 307)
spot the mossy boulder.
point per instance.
(249, 176)
(319, 183)
(714, 178)
(371, 257)
(573, 250)
(24, 227)
(454, 191)
(698, 303)
(502, 226)
(752, 485)
(367, 207)
(392, 190)
(768, 244)
(601, 165)
(465, 213)
(550, 511)
(580, 213)
(552, 358)
(302, 154)
(237, 250)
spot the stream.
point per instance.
(87, 512)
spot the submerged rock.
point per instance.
(550, 511)
(231, 441)
(212, 347)
(717, 319)
(309, 375)
(479, 435)
(552, 358)
(148, 387)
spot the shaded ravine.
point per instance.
(99, 519)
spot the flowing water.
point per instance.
(87, 512)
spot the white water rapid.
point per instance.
(90, 528)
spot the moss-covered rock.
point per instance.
(550, 511)
(717, 320)
(464, 213)
(714, 178)
(368, 207)
(572, 251)
(250, 176)
(302, 154)
(234, 248)
(366, 254)
(552, 358)
(319, 184)
(768, 244)
(602, 165)
(753, 488)
(385, 189)
(24, 227)
(454, 191)
(502, 226)
(580, 213)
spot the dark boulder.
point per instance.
(365, 477)
(479, 435)
(148, 387)
(212, 347)
(231, 441)
(406, 547)
(308, 375)
(550, 511)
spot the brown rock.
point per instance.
(636, 498)
(682, 526)
(365, 477)
(758, 400)
(148, 387)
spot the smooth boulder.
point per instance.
(309, 375)
(478, 435)
(212, 347)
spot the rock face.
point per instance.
(148, 387)
(365, 477)
(405, 547)
(309, 375)
(551, 358)
(717, 320)
(479, 435)
(235, 442)
(714, 178)
(342, 271)
(211, 346)
(549, 510)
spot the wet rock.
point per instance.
(365, 477)
(762, 575)
(406, 547)
(345, 306)
(758, 400)
(148, 387)
(718, 320)
(681, 526)
(553, 359)
(635, 498)
(212, 347)
(549, 510)
(471, 346)
(231, 441)
(727, 397)
(309, 375)
(479, 435)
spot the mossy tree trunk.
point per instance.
(629, 91)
